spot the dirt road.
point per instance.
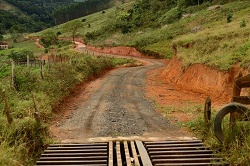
(117, 107)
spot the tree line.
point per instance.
(79, 9)
(37, 15)
(39, 10)
(14, 23)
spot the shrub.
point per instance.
(58, 33)
(229, 17)
(243, 23)
(171, 16)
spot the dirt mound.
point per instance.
(202, 79)
(127, 51)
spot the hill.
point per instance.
(27, 16)
(35, 15)
(173, 27)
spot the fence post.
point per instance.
(28, 61)
(7, 108)
(236, 92)
(36, 114)
(13, 75)
(48, 62)
(41, 67)
(207, 110)
(60, 57)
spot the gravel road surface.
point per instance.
(118, 108)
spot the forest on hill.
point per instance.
(36, 15)
(76, 10)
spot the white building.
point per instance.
(3, 46)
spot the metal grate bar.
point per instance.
(181, 153)
(128, 159)
(135, 155)
(118, 154)
(75, 154)
(128, 153)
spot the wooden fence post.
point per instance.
(48, 62)
(28, 61)
(7, 108)
(41, 67)
(36, 114)
(13, 75)
(207, 110)
(236, 92)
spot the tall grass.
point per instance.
(22, 141)
(236, 146)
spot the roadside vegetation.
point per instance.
(27, 98)
(194, 31)
(236, 146)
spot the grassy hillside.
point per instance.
(91, 23)
(216, 36)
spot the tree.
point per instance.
(48, 38)
(20, 55)
(73, 27)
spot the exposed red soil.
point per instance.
(38, 44)
(125, 51)
(176, 86)
(172, 85)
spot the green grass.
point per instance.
(96, 21)
(163, 48)
(22, 141)
(23, 43)
(236, 146)
(212, 40)
(219, 44)
(2, 57)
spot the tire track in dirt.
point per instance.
(118, 108)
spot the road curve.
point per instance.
(118, 108)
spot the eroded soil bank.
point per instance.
(197, 79)
(120, 104)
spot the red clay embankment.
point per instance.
(202, 79)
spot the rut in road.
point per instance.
(119, 108)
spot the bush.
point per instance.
(171, 16)
(229, 17)
(20, 55)
(243, 23)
